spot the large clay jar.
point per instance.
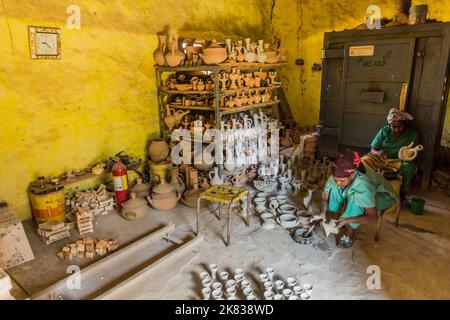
(214, 54)
(159, 54)
(191, 196)
(174, 57)
(158, 150)
(142, 190)
(135, 208)
(164, 196)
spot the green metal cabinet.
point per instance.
(364, 72)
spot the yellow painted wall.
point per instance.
(100, 98)
(300, 25)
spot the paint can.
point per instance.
(48, 206)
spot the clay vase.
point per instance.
(158, 150)
(176, 180)
(214, 177)
(261, 57)
(174, 57)
(408, 153)
(286, 141)
(135, 208)
(142, 190)
(169, 119)
(158, 55)
(239, 52)
(249, 55)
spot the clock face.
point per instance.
(46, 43)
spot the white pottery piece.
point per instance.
(279, 284)
(268, 295)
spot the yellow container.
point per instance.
(396, 184)
(161, 170)
(49, 206)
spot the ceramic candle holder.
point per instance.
(231, 292)
(268, 295)
(294, 298)
(268, 285)
(307, 287)
(213, 268)
(287, 292)
(291, 281)
(224, 275)
(217, 294)
(206, 293)
(279, 284)
(239, 271)
(217, 286)
(305, 296)
(206, 283)
(245, 284)
(270, 272)
(251, 297)
(238, 278)
(278, 297)
(231, 283)
(298, 289)
(248, 291)
(263, 277)
(204, 275)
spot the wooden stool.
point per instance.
(224, 194)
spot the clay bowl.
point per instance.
(287, 209)
(214, 55)
(267, 216)
(288, 221)
(183, 86)
(301, 237)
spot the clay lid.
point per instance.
(140, 187)
(134, 202)
(163, 187)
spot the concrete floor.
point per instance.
(413, 259)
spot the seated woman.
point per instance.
(386, 145)
(359, 196)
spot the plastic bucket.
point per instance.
(417, 205)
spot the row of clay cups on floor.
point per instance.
(214, 288)
(293, 292)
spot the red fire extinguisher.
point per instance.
(120, 178)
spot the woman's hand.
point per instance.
(379, 153)
(341, 223)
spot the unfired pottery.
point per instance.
(135, 208)
(142, 190)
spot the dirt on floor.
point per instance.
(412, 260)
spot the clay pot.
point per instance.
(214, 54)
(191, 196)
(142, 190)
(158, 55)
(272, 57)
(134, 208)
(164, 196)
(158, 150)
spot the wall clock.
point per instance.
(45, 42)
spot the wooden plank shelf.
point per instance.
(235, 91)
(171, 91)
(249, 107)
(222, 66)
(180, 106)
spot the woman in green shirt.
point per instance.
(386, 145)
(359, 195)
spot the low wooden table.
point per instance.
(224, 194)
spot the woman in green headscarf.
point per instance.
(386, 145)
